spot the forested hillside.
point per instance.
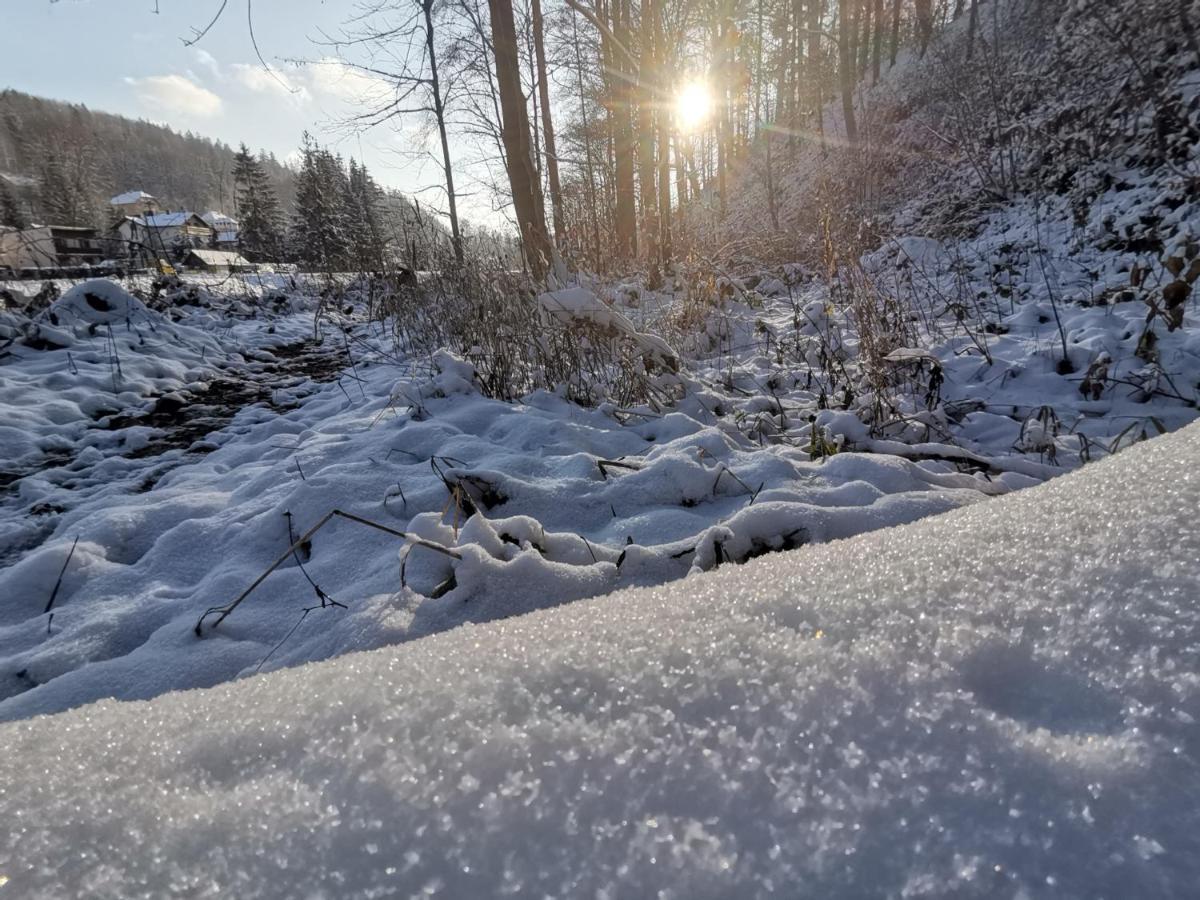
(91, 156)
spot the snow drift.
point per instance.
(997, 701)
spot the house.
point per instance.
(134, 203)
(217, 261)
(31, 248)
(78, 246)
(225, 229)
(161, 233)
(51, 247)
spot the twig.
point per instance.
(62, 572)
(605, 464)
(222, 612)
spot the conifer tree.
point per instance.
(319, 231)
(10, 211)
(366, 230)
(257, 208)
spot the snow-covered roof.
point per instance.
(998, 701)
(130, 197)
(219, 257)
(219, 220)
(167, 219)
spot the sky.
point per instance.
(128, 57)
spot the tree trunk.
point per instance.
(846, 67)
(547, 125)
(972, 25)
(522, 173)
(924, 23)
(440, 112)
(681, 191)
(895, 30)
(664, 147)
(864, 46)
(623, 140)
(722, 64)
(647, 161)
(876, 50)
(587, 148)
(816, 9)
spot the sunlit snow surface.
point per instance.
(995, 702)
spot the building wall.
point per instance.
(32, 248)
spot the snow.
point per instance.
(998, 701)
(166, 219)
(551, 503)
(219, 257)
(78, 378)
(578, 304)
(218, 220)
(130, 197)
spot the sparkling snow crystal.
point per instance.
(1000, 701)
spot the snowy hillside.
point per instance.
(998, 701)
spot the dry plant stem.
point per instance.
(222, 612)
(61, 573)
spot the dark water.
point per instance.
(180, 422)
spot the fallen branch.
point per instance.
(951, 454)
(605, 464)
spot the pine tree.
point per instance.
(365, 226)
(319, 232)
(10, 211)
(65, 188)
(257, 208)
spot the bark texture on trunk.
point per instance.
(518, 144)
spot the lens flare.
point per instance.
(693, 105)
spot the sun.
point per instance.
(693, 105)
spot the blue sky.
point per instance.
(121, 56)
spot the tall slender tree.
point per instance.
(846, 31)
(518, 142)
(543, 85)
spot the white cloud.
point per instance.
(261, 81)
(175, 95)
(207, 60)
(334, 78)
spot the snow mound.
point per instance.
(998, 701)
(97, 302)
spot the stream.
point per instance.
(179, 424)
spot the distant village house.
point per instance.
(225, 229)
(161, 233)
(51, 247)
(134, 203)
(217, 261)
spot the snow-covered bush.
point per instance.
(519, 340)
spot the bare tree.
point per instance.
(846, 28)
(518, 143)
(398, 38)
(543, 86)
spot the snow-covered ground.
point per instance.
(119, 530)
(539, 503)
(1000, 701)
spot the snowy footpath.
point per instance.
(1000, 701)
